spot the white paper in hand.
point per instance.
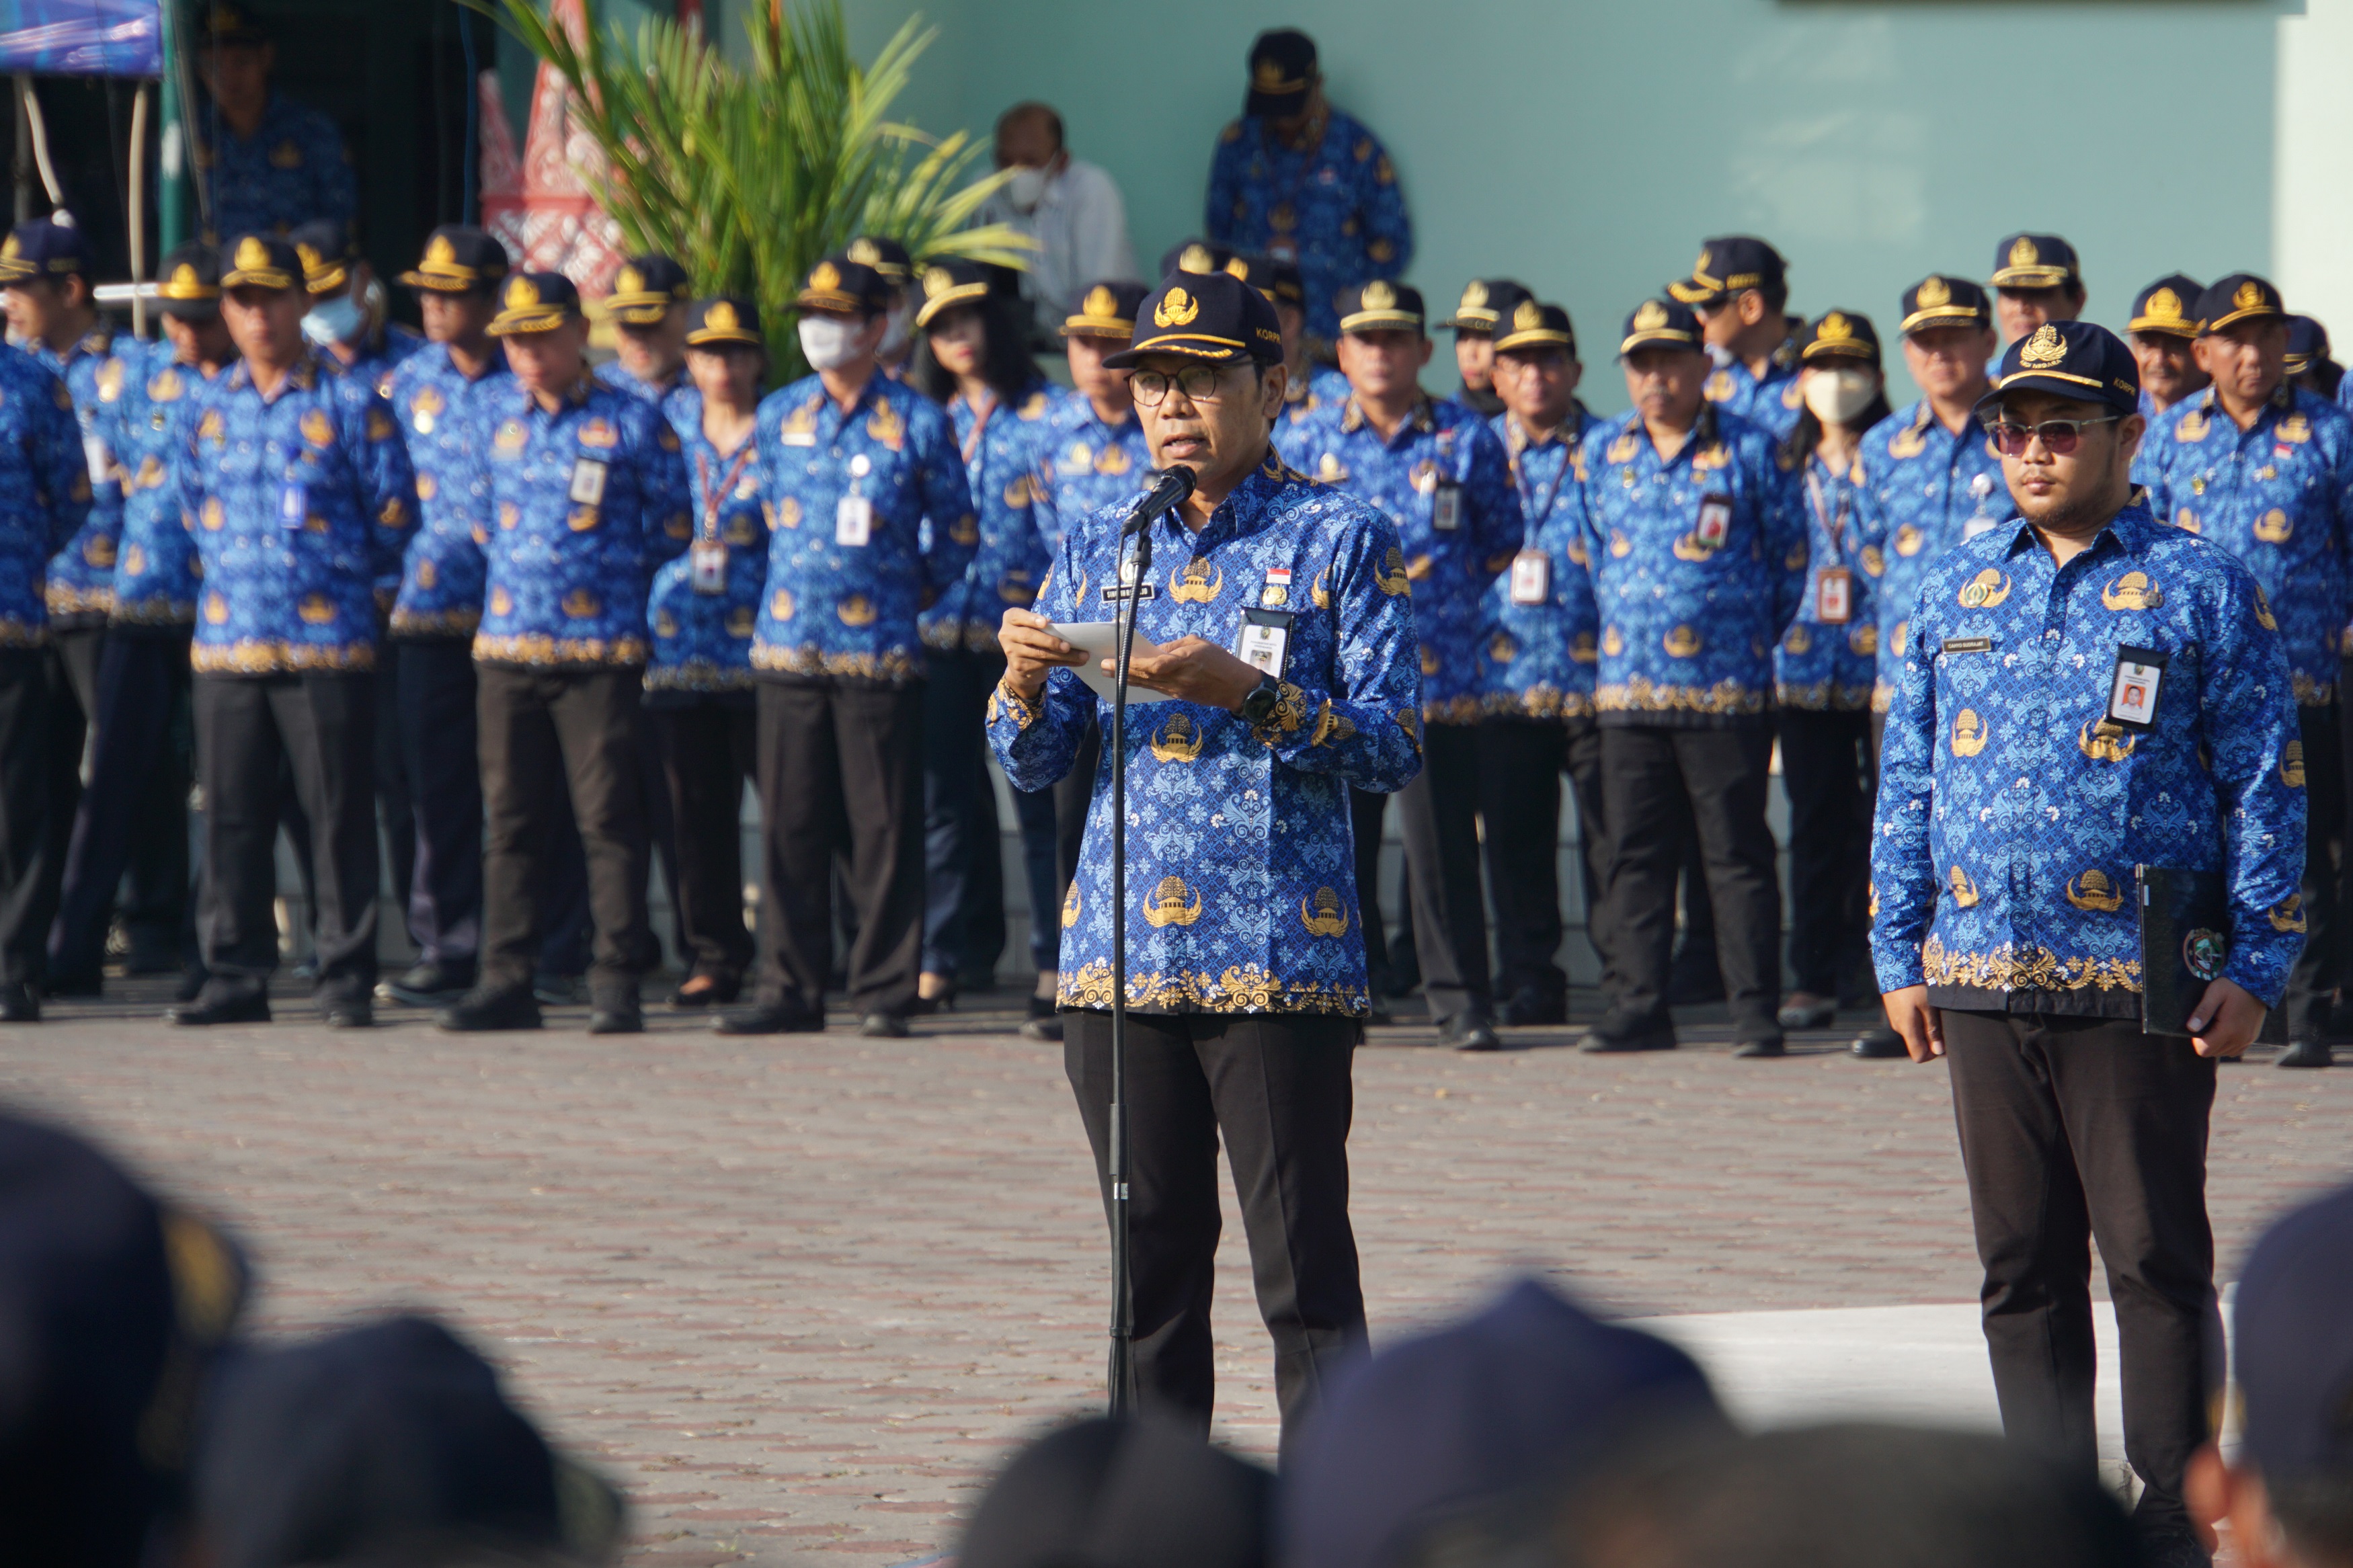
(1095, 639)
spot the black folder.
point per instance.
(2185, 932)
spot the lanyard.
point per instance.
(712, 498)
(1536, 519)
(1834, 526)
(980, 419)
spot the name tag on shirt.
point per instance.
(1266, 641)
(2133, 690)
(1446, 508)
(99, 461)
(798, 438)
(588, 482)
(1834, 597)
(708, 566)
(1531, 577)
(293, 505)
(1715, 521)
(853, 520)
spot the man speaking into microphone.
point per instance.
(1274, 666)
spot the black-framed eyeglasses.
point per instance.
(1199, 382)
(2059, 436)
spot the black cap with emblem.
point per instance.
(887, 257)
(852, 287)
(1278, 279)
(2241, 297)
(188, 283)
(1282, 68)
(459, 259)
(1214, 317)
(1940, 301)
(1660, 323)
(326, 251)
(1728, 265)
(2081, 361)
(51, 248)
(535, 303)
(1484, 302)
(1381, 306)
(948, 284)
(1195, 256)
(1107, 309)
(2169, 306)
(1837, 335)
(724, 319)
(261, 261)
(2308, 344)
(2035, 261)
(1534, 325)
(646, 287)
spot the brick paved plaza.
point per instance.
(800, 1293)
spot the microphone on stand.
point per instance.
(1172, 489)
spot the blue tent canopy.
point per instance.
(83, 38)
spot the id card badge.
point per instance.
(1834, 597)
(853, 520)
(1715, 521)
(1531, 577)
(293, 505)
(1446, 506)
(587, 481)
(2134, 687)
(1266, 641)
(97, 458)
(708, 563)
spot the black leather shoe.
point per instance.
(704, 989)
(83, 986)
(1615, 1031)
(19, 1004)
(429, 983)
(615, 1010)
(560, 990)
(192, 983)
(884, 1026)
(769, 1018)
(1819, 1014)
(2306, 1054)
(1469, 1031)
(1044, 1022)
(1880, 1045)
(481, 1010)
(349, 1012)
(219, 1004)
(1531, 1006)
(1762, 1046)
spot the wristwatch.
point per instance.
(1258, 706)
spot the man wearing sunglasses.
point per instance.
(2088, 692)
(1740, 288)
(1277, 616)
(2266, 472)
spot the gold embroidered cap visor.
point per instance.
(449, 278)
(2163, 313)
(535, 303)
(2241, 297)
(1389, 321)
(2033, 261)
(707, 336)
(1656, 324)
(1086, 326)
(1536, 338)
(1953, 315)
(260, 264)
(2080, 361)
(1211, 316)
(948, 299)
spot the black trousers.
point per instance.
(71, 661)
(1368, 811)
(1074, 792)
(709, 750)
(1277, 1090)
(1520, 765)
(1439, 813)
(841, 773)
(132, 814)
(25, 841)
(955, 694)
(436, 709)
(545, 733)
(2321, 964)
(395, 802)
(2074, 1129)
(322, 728)
(1825, 773)
(1647, 773)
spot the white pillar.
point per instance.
(2311, 187)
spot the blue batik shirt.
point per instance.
(671, 397)
(1334, 208)
(374, 360)
(1921, 489)
(1773, 400)
(2279, 496)
(95, 370)
(1000, 454)
(1240, 862)
(1698, 565)
(439, 410)
(1539, 659)
(299, 501)
(702, 641)
(1303, 399)
(567, 578)
(831, 608)
(1823, 665)
(45, 489)
(2012, 809)
(1083, 465)
(292, 169)
(1443, 466)
(156, 573)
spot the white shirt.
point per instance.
(1081, 227)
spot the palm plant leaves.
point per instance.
(749, 175)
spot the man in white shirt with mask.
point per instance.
(1070, 209)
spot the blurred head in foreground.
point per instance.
(1121, 1494)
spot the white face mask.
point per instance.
(1838, 395)
(829, 344)
(895, 328)
(1026, 188)
(337, 320)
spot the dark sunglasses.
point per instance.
(2059, 436)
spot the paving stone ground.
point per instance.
(799, 1294)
